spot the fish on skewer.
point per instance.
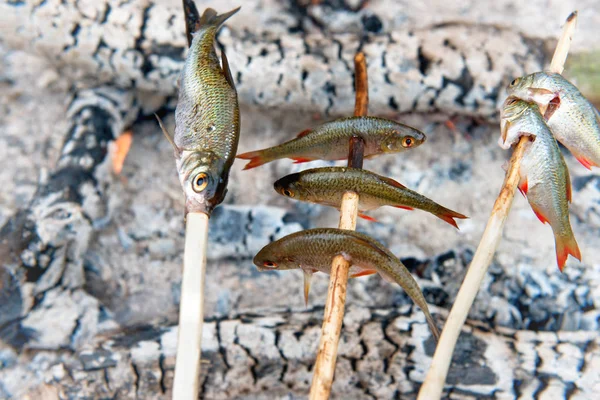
(313, 250)
(573, 120)
(327, 186)
(329, 141)
(544, 177)
(207, 118)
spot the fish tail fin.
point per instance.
(449, 215)
(566, 245)
(211, 18)
(257, 158)
(432, 325)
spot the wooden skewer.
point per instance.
(436, 377)
(336, 294)
(191, 308)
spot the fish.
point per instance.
(330, 141)
(327, 185)
(207, 117)
(544, 177)
(313, 250)
(573, 120)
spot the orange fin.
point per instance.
(449, 215)
(367, 217)
(523, 186)
(256, 159)
(392, 182)
(586, 162)
(364, 272)
(539, 214)
(564, 247)
(121, 148)
(300, 160)
(304, 133)
(404, 207)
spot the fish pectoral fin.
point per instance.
(168, 136)
(364, 272)
(523, 186)
(307, 278)
(541, 95)
(226, 69)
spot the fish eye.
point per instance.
(200, 182)
(269, 264)
(514, 82)
(408, 142)
(288, 193)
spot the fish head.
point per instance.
(203, 180)
(535, 87)
(514, 119)
(519, 87)
(274, 257)
(289, 186)
(401, 137)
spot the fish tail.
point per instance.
(257, 158)
(432, 326)
(566, 245)
(211, 18)
(449, 215)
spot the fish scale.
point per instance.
(330, 141)
(573, 120)
(544, 174)
(327, 186)
(207, 119)
(313, 250)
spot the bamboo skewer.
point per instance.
(336, 294)
(434, 381)
(191, 308)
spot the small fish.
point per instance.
(573, 120)
(313, 250)
(327, 186)
(330, 141)
(544, 174)
(207, 117)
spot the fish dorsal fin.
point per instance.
(569, 189)
(304, 133)
(226, 70)
(168, 136)
(392, 182)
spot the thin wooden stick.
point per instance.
(436, 377)
(191, 308)
(338, 281)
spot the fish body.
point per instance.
(573, 120)
(314, 250)
(207, 119)
(330, 141)
(544, 177)
(327, 186)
